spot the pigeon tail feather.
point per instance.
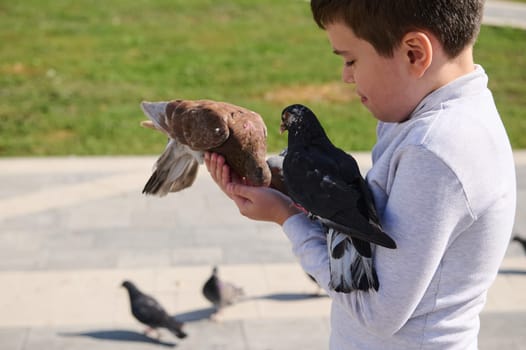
(175, 170)
(375, 234)
(348, 269)
(175, 327)
(230, 293)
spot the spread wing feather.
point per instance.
(174, 170)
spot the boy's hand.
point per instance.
(220, 171)
(257, 203)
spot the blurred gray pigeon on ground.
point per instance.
(521, 240)
(221, 293)
(327, 183)
(196, 126)
(149, 312)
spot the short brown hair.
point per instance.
(383, 23)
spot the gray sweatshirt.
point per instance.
(444, 187)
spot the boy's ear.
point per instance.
(418, 50)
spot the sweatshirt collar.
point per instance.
(469, 84)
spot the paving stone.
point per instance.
(63, 263)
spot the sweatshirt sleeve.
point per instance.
(309, 244)
(425, 206)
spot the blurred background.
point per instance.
(73, 160)
(72, 73)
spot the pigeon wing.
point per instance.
(148, 311)
(200, 124)
(334, 198)
(177, 167)
(347, 212)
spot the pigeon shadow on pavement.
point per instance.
(512, 272)
(121, 335)
(289, 296)
(207, 312)
(196, 315)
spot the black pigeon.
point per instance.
(149, 312)
(220, 293)
(327, 183)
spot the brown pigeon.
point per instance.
(196, 126)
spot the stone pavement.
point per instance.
(507, 13)
(71, 229)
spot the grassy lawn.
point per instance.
(72, 73)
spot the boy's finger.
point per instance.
(239, 190)
(225, 176)
(215, 167)
(207, 160)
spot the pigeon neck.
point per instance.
(302, 134)
(133, 291)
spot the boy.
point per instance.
(442, 178)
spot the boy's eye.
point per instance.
(349, 63)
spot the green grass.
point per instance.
(501, 52)
(72, 73)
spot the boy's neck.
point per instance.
(445, 70)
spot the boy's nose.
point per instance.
(347, 75)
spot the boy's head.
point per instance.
(383, 23)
